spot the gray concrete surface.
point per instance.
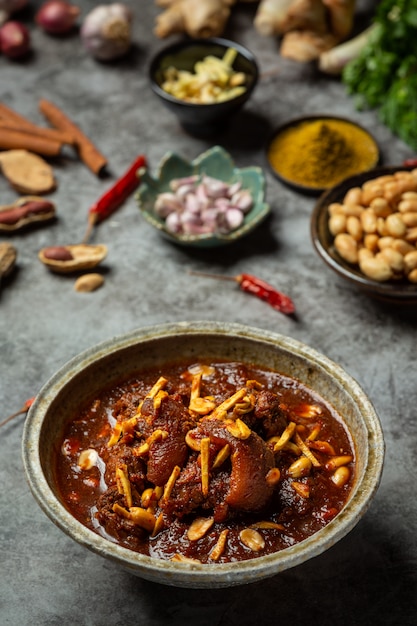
(47, 579)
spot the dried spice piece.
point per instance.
(8, 256)
(25, 211)
(25, 408)
(87, 151)
(88, 282)
(114, 197)
(73, 258)
(27, 173)
(259, 288)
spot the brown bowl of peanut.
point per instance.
(365, 229)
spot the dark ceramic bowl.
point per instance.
(368, 145)
(398, 291)
(202, 119)
(109, 362)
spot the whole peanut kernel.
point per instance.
(372, 192)
(395, 225)
(410, 261)
(377, 269)
(410, 218)
(402, 246)
(337, 223)
(341, 476)
(412, 276)
(407, 204)
(354, 227)
(380, 207)
(347, 247)
(368, 220)
(371, 242)
(353, 196)
(385, 242)
(394, 259)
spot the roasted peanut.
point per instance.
(57, 253)
(300, 467)
(412, 276)
(410, 218)
(199, 527)
(335, 208)
(354, 227)
(347, 247)
(408, 204)
(371, 242)
(385, 242)
(252, 539)
(394, 259)
(402, 246)
(377, 269)
(341, 476)
(337, 223)
(368, 220)
(395, 225)
(380, 207)
(410, 261)
(88, 282)
(8, 256)
(353, 196)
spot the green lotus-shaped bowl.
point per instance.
(216, 163)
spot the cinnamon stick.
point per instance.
(11, 139)
(88, 152)
(38, 131)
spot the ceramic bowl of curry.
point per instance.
(241, 453)
(365, 230)
(311, 154)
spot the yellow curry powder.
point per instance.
(321, 153)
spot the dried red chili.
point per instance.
(25, 408)
(410, 162)
(259, 288)
(265, 291)
(114, 197)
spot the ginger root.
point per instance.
(307, 27)
(196, 18)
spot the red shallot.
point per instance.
(197, 205)
(14, 40)
(57, 17)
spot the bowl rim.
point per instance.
(390, 291)
(197, 575)
(306, 189)
(185, 43)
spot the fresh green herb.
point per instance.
(384, 75)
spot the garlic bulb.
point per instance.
(106, 31)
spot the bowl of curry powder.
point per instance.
(312, 154)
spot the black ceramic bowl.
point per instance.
(394, 291)
(202, 119)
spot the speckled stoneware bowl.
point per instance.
(217, 163)
(398, 292)
(109, 361)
